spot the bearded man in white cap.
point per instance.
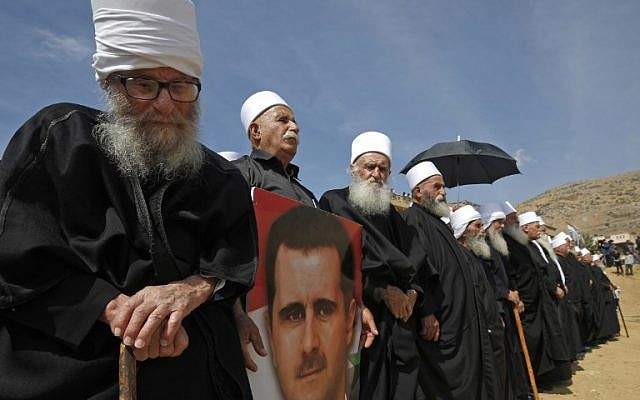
(538, 290)
(577, 281)
(119, 226)
(455, 351)
(271, 126)
(389, 369)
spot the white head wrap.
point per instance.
(541, 221)
(577, 249)
(508, 208)
(368, 142)
(559, 240)
(584, 252)
(461, 218)
(137, 34)
(258, 103)
(491, 212)
(527, 218)
(420, 172)
(230, 155)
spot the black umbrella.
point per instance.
(465, 162)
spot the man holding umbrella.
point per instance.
(455, 351)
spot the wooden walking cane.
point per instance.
(525, 350)
(127, 374)
(622, 317)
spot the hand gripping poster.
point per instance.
(306, 301)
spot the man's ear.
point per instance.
(254, 133)
(351, 314)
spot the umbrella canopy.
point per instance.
(465, 162)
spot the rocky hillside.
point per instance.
(601, 206)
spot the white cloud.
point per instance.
(60, 46)
(522, 157)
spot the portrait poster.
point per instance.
(306, 301)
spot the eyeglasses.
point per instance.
(149, 89)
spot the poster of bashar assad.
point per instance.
(305, 301)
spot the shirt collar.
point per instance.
(291, 170)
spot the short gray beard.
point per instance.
(439, 208)
(516, 233)
(497, 241)
(546, 244)
(478, 246)
(148, 151)
(369, 198)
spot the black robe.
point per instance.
(460, 365)
(578, 283)
(74, 234)
(389, 368)
(541, 321)
(608, 325)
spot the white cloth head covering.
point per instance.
(559, 239)
(491, 212)
(527, 218)
(596, 257)
(230, 155)
(541, 221)
(508, 208)
(420, 172)
(584, 252)
(258, 103)
(461, 218)
(136, 34)
(368, 142)
(577, 249)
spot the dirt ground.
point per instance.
(611, 371)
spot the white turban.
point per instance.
(230, 155)
(527, 218)
(541, 221)
(370, 142)
(508, 208)
(491, 212)
(258, 103)
(559, 240)
(584, 252)
(420, 172)
(461, 218)
(137, 34)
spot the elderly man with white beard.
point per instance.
(538, 290)
(455, 348)
(494, 218)
(389, 369)
(118, 226)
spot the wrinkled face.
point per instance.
(497, 225)
(532, 230)
(372, 167)
(432, 187)
(276, 132)
(512, 219)
(311, 325)
(474, 229)
(563, 249)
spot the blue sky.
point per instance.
(556, 83)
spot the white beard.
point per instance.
(546, 244)
(437, 207)
(479, 246)
(145, 150)
(516, 233)
(497, 241)
(370, 198)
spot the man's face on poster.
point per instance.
(311, 323)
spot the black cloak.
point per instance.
(74, 234)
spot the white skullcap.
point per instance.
(420, 172)
(258, 103)
(461, 218)
(508, 208)
(491, 212)
(368, 142)
(577, 249)
(559, 240)
(230, 155)
(541, 221)
(446, 220)
(527, 218)
(584, 252)
(136, 34)
(597, 257)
